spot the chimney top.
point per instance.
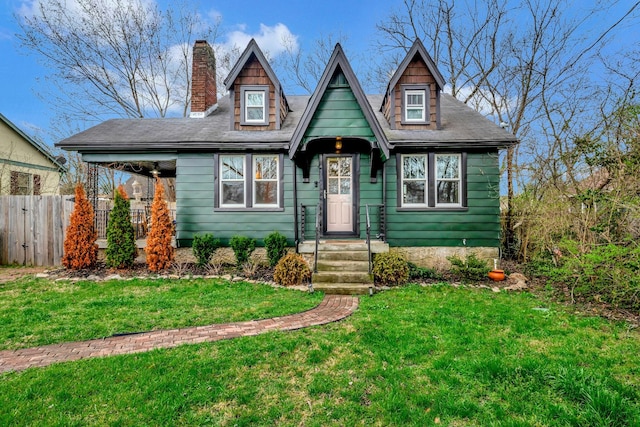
(204, 98)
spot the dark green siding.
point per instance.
(371, 193)
(338, 114)
(477, 226)
(195, 192)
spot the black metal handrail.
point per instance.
(315, 261)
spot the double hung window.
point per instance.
(431, 180)
(255, 105)
(448, 179)
(415, 104)
(249, 181)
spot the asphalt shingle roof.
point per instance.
(461, 127)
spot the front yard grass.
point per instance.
(410, 356)
(38, 312)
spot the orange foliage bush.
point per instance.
(159, 250)
(80, 248)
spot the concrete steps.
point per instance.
(343, 266)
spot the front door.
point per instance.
(339, 194)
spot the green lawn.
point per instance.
(37, 312)
(411, 356)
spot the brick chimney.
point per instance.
(204, 99)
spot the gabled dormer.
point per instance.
(412, 99)
(338, 117)
(256, 96)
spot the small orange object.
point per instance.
(497, 275)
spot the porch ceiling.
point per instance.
(162, 168)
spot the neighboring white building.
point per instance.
(26, 167)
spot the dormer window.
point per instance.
(255, 105)
(416, 108)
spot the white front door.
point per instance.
(339, 187)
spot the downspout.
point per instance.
(384, 200)
(295, 204)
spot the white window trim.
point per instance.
(458, 180)
(243, 180)
(276, 180)
(407, 106)
(425, 179)
(247, 90)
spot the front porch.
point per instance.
(342, 266)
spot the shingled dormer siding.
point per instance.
(253, 75)
(416, 75)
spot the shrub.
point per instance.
(276, 246)
(242, 248)
(421, 273)
(80, 248)
(390, 269)
(608, 273)
(203, 248)
(472, 269)
(121, 249)
(159, 250)
(291, 270)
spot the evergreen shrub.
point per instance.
(276, 246)
(471, 269)
(242, 247)
(422, 273)
(204, 245)
(121, 249)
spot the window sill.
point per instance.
(252, 209)
(433, 209)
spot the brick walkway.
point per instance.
(331, 309)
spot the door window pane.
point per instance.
(339, 175)
(345, 185)
(334, 185)
(345, 167)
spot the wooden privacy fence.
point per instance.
(32, 229)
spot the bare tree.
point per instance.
(520, 63)
(125, 58)
(302, 69)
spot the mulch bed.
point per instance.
(536, 285)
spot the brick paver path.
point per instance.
(331, 309)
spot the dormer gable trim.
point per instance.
(338, 60)
(417, 49)
(252, 48)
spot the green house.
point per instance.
(413, 169)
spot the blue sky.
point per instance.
(21, 74)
